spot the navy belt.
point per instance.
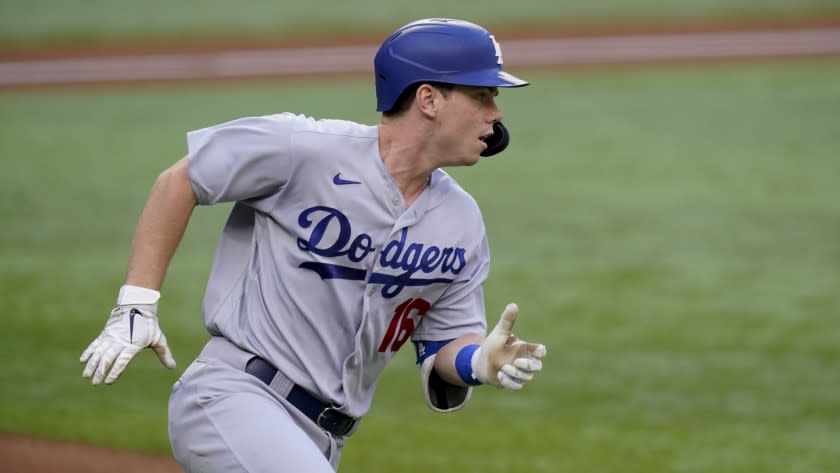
(325, 416)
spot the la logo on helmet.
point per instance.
(498, 50)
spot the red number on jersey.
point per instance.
(402, 325)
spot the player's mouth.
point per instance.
(483, 137)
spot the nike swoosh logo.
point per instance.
(131, 315)
(337, 180)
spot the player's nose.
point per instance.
(495, 115)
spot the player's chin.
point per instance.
(475, 155)
(471, 159)
(469, 155)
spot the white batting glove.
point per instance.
(129, 329)
(504, 360)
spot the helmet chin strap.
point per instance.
(498, 141)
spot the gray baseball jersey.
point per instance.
(321, 269)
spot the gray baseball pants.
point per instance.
(224, 420)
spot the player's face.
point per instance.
(469, 118)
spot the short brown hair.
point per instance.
(407, 97)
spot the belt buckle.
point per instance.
(323, 416)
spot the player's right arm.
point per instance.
(161, 227)
(133, 324)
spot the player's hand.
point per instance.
(129, 329)
(504, 360)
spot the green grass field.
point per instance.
(671, 234)
(24, 22)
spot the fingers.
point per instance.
(508, 382)
(106, 360)
(536, 350)
(89, 350)
(123, 337)
(92, 355)
(514, 375)
(163, 352)
(528, 364)
(505, 325)
(122, 360)
(517, 373)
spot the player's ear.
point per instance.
(426, 99)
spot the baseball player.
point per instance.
(345, 241)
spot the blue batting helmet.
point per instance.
(438, 50)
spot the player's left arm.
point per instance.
(448, 354)
(499, 359)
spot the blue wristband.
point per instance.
(463, 364)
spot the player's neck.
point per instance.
(404, 155)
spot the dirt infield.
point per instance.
(819, 37)
(22, 454)
(125, 64)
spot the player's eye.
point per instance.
(486, 96)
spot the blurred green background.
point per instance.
(671, 233)
(23, 22)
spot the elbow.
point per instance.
(175, 183)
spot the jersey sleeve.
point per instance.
(242, 159)
(460, 310)
(440, 395)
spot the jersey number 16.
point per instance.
(402, 325)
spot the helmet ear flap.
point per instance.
(498, 141)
